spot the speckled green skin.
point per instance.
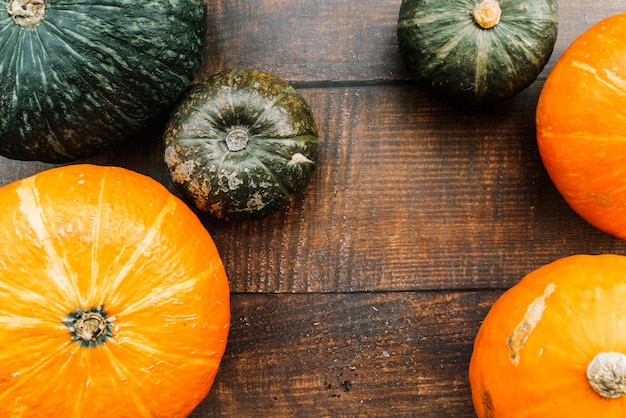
(276, 163)
(444, 49)
(93, 73)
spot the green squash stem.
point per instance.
(487, 14)
(606, 374)
(237, 139)
(27, 12)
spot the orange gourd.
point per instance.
(554, 344)
(113, 299)
(581, 125)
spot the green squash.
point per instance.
(473, 52)
(78, 76)
(241, 144)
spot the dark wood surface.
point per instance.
(364, 296)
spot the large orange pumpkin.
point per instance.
(113, 298)
(554, 345)
(581, 125)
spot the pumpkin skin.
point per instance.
(535, 354)
(241, 144)
(80, 243)
(445, 47)
(90, 74)
(581, 128)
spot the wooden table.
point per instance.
(364, 296)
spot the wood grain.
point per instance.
(337, 40)
(409, 196)
(401, 354)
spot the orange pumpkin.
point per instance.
(113, 298)
(581, 125)
(554, 344)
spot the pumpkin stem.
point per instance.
(27, 12)
(237, 139)
(487, 14)
(89, 328)
(607, 374)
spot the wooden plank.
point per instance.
(412, 195)
(336, 40)
(409, 194)
(305, 40)
(391, 354)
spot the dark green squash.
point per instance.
(241, 144)
(78, 76)
(472, 52)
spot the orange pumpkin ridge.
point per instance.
(114, 300)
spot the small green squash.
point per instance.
(476, 52)
(241, 144)
(78, 76)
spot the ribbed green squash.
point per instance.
(77, 76)
(473, 52)
(241, 144)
